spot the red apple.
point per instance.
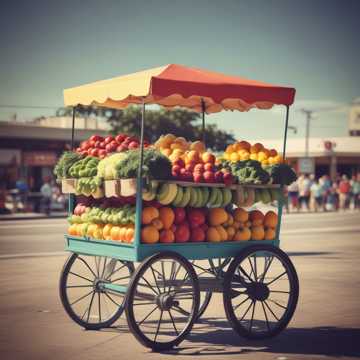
(176, 169)
(120, 138)
(179, 162)
(108, 139)
(196, 217)
(219, 176)
(102, 153)
(133, 145)
(102, 145)
(94, 152)
(189, 167)
(121, 148)
(209, 167)
(97, 144)
(182, 233)
(209, 176)
(197, 234)
(198, 177)
(228, 178)
(180, 215)
(199, 168)
(85, 145)
(96, 138)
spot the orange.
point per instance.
(256, 148)
(257, 233)
(241, 215)
(114, 233)
(122, 233)
(243, 234)
(150, 234)
(270, 234)
(244, 145)
(149, 214)
(166, 236)
(208, 158)
(213, 235)
(231, 232)
(217, 216)
(106, 231)
(167, 216)
(256, 217)
(129, 235)
(270, 219)
(223, 233)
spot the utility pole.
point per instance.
(308, 114)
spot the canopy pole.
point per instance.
(73, 128)
(139, 182)
(203, 108)
(285, 131)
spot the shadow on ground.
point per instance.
(214, 337)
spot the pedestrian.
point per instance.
(23, 189)
(304, 191)
(355, 191)
(316, 195)
(46, 193)
(293, 191)
(325, 184)
(344, 192)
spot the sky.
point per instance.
(47, 46)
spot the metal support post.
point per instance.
(203, 108)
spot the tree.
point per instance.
(180, 122)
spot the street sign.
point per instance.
(306, 165)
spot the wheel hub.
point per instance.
(99, 285)
(165, 302)
(258, 291)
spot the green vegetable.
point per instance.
(281, 174)
(249, 172)
(66, 161)
(155, 165)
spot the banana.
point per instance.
(219, 199)
(167, 193)
(251, 197)
(205, 195)
(185, 198)
(178, 197)
(193, 197)
(226, 196)
(213, 196)
(199, 197)
(240, 196)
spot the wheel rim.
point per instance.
(163, 301)
(82, 292)
(263, 293)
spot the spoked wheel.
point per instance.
(261, 291)
(163, 301)
(81, 292)
(211, 268)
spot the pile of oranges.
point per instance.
(243, 150)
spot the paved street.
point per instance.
(324, 248)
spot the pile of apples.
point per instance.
(100, 147)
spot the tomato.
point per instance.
(110, 147)
(85, 145)
(121, 148)
(97, 144)
(108, 139)
(102, 153)
(102, 145)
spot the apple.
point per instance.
(120, 138)
(94, 152)
(228, 178)
(84, 145)
(219, 176)
(198, 177)
(111, 147)
(97, 144)
(197, 234)
(180, 215)
(179, 162)
(92, 143)
(209, 176)
(209, 167)
(196, 217)
(108, 139)
(199, 168)
(121, 148)
(176, 169)
(185, 175)
(189, 167)
(102, 145)
(102, 153)
(182, 233)
(133, 145)
(96, 138)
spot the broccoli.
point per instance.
(250, 172)
(282, 174)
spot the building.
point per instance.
(31, 149)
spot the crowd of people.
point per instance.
(323, 194)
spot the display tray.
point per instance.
(130, 252)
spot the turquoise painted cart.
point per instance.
(173, 284)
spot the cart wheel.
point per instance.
(82, 296)
(205, 296)
(162, 301)
(261, 291)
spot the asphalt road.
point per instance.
(324, 248)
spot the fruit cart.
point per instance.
(174, 281)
